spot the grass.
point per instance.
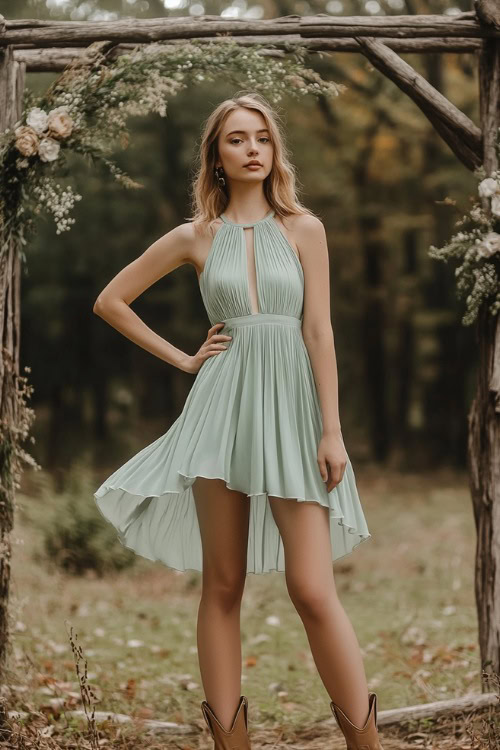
(409, 593)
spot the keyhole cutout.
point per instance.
(251, 270)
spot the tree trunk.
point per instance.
(404, 359)
(374, 319)
(12, 76)
(441, 392)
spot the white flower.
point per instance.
(37, 119)
(48, 149)
(495, 204)
(22, 163)
(477, 214)
(58, 110)
(488, 187)
(489, 245)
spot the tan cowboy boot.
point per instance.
(237, 737)
(359, 738)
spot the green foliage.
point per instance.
(75, 536)
(477, 246)
(86, 110)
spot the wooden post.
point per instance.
(484, 416)
(12, 75)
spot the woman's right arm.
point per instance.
(166, 254)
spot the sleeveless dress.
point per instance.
(252, 418)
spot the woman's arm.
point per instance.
(317, 331)
(166, 254)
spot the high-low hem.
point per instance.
(271, 558)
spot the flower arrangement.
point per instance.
(85, 111)
(477, 245)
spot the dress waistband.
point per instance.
(262, 318)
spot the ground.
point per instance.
(408, 591)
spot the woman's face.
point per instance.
(244, 137)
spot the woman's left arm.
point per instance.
(317, 331)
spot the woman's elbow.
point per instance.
(102, 306)
(106, 306)
(318, 334)
(98, 306)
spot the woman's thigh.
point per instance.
(305, 530)
(223, 517)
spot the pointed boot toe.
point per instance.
(235, 738)
(359, 738)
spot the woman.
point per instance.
(253, 475)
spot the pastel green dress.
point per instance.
(252, 418)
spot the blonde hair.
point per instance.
(209, 199)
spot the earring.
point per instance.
(219, 171)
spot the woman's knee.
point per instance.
(223, 587)
(310, 599)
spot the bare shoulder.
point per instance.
(188, 239)
(306, 224)
(184, 236)
(197, 238)
(303, 230)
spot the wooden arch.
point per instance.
(33, 45)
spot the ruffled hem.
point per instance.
(251, 419)
(165, 529)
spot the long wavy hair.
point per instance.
(209, 199)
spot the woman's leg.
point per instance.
(305, 531)
(223, 516)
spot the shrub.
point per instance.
(75, 536)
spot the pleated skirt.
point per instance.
(252, 419)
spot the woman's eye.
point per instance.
(239, 139)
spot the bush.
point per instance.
(74, 534)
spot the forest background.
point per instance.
(370, 165)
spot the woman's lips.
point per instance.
(253, 166)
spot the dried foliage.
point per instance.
(477, 246)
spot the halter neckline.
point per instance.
(249, 224)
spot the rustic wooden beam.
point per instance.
(436, 709)
(489, 98)
(48, 59)
(488, 12)
(483, 445)
(471, 158)
(12, 77)
(456, 129)
(461, 25)
(52, 33)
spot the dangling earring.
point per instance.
(218, 173)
